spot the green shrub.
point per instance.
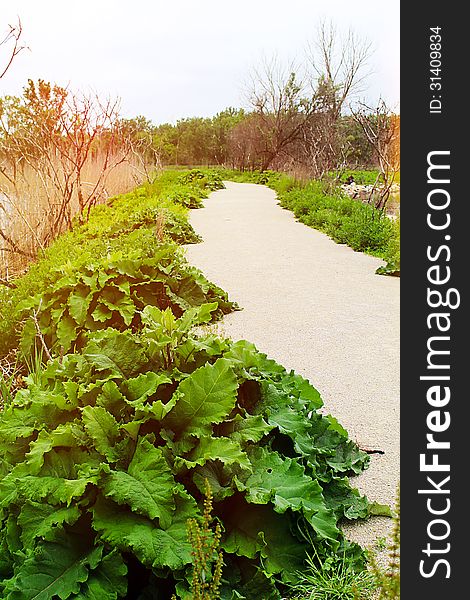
(366, 230)
(392, 254)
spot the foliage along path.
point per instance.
(318, 308)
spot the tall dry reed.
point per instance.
(31, 201)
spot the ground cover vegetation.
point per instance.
(132, 411)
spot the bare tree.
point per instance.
(11, 39)
(335, 71)
(336, 66)
(382, 131)
(299, 108)
(282, 110)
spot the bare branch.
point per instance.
(12, 36)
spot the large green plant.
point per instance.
(111, 293)
(105, 455)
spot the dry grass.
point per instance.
(30, 204)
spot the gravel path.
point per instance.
(316, 307)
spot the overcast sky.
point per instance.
(172, 59)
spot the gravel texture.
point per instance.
(318, 308)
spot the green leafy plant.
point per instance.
(112, 293)
(107, 448)
(105, 455)
(209, 178)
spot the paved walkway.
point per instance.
(316, 307)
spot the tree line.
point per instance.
(301, 116)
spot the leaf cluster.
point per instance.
(106, 452)
(112, 293)
(209, 178)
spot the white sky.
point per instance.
(172, 59)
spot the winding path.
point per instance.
(316, 307)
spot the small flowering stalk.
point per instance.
(207, 558)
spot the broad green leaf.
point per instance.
(107, 582)
(347, 457)
(110, 397)
(145, 385)
(248, 428)
(282, 552)
(324, 523)
(28, 338)
(103, 429)
(15, 424)
(120, 353)
(8, 491)
(196, 350)
(242, 528)
(260, 587)
(153, 546)
(253, 364)
(101, 313)
(284, 483)
(163, 321)
(40, 520)
(189, 293)
(55, 569)
(347, 501)
(57, 490)
(71, 463)
(224, 449)
(12, 534)
(220, 479)
(148, 485)
(116, 300)
(336, 426)
(257, 529)
(70, 400)
(207, 396)
(303, 389)
(65, 436)
(197, 316)
(296, 425)
(79, 302)
(66, 332)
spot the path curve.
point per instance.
(318, 308)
